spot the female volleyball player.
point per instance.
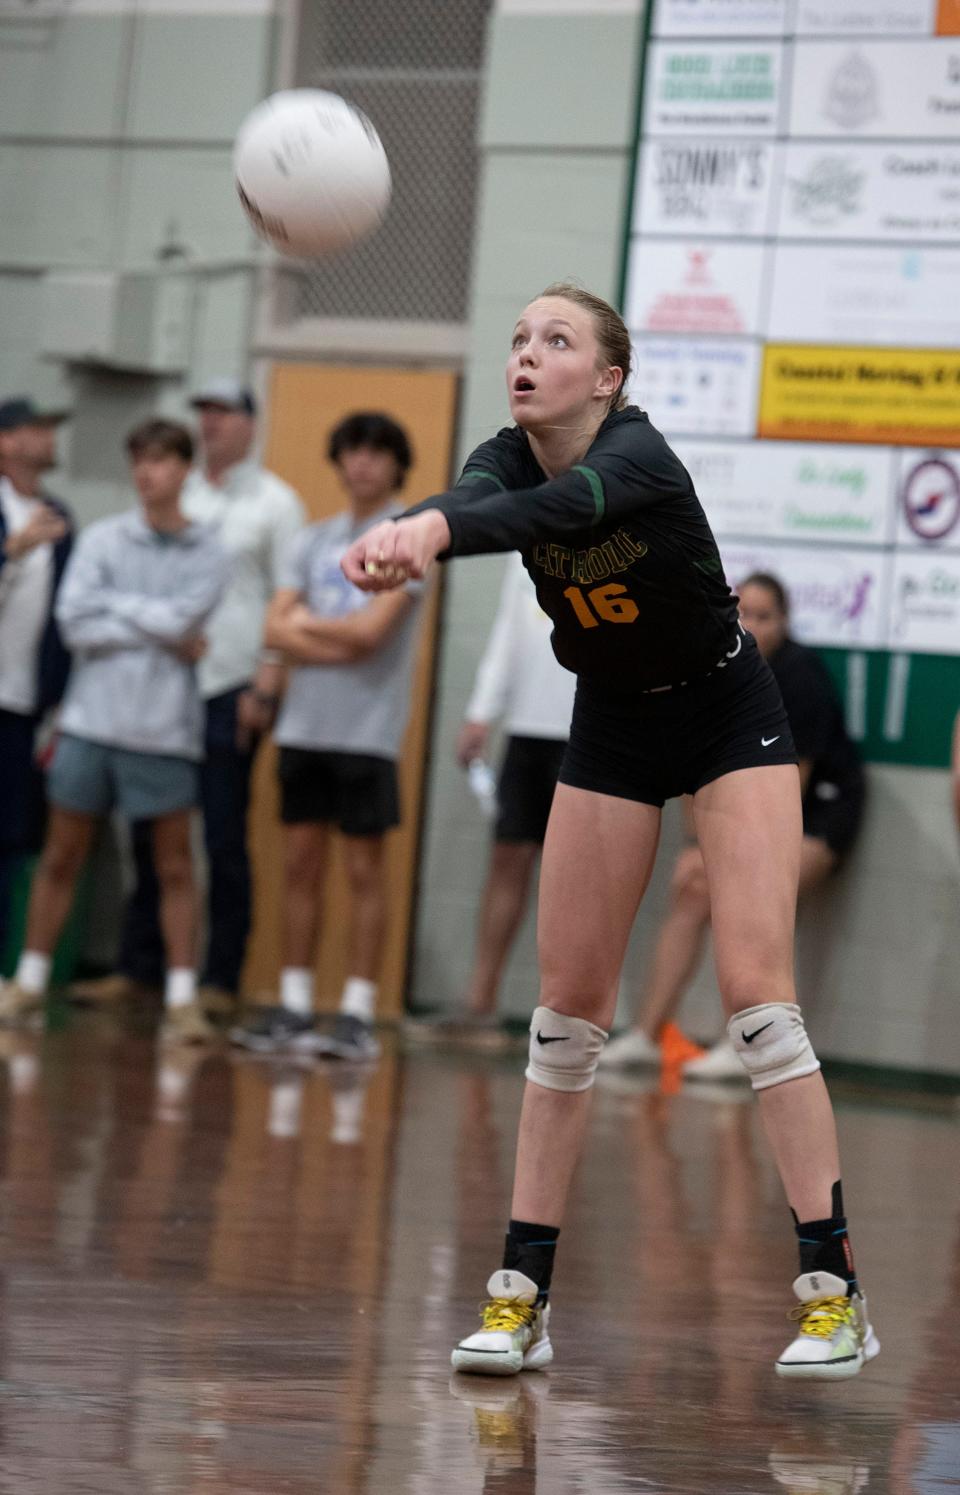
(672, 698)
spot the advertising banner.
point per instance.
(837, 596)
(687, 286)
(925, 603)
(897, 396)
(866, 17)
(705, 187)
(870, 191)
(697, 386)
(722, 88)
(902, 90)
(779, 490)
(865, 294)
(721, 18)
(928, 502)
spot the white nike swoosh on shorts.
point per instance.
(767, 741)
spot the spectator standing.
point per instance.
(339, 731)
(255, 514)
(36, 535)
(136, 595)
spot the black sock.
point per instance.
(824, 1245)
(530, 1249)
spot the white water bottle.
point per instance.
(483, 785)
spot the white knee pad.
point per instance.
(564, 1051)
(772, 1043)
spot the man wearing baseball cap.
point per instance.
(255, 515)
(36, 534)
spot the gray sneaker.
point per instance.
(350, 1038)
(270, 1029)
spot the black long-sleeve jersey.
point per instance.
(619, 549)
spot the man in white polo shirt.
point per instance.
(255, 515)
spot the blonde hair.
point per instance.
(609, 328)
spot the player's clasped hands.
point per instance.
(396, 551)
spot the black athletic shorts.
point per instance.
(656, 745)
(352, 790)
(525, 790)
(834, 816)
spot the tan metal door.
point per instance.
(305, 401)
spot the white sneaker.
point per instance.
(836, 1338)
(514, 1335)
(719, 1063)
(633, 1048)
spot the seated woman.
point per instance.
(833, 786)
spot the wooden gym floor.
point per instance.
(221, 1274)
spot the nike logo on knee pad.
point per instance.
(564, 1038)
(749, 1037)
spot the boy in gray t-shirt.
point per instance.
(340, 729)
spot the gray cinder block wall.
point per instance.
(116, 125)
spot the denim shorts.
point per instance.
(93, 778)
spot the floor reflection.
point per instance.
(223, 1274)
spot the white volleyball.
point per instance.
(311, 172)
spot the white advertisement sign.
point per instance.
(720, 17)
(869, 88)
(871, 191)
(704, 187)
(837, 597)
(865, 17)
(772, 490)
(696, 386)
(727, 88)
(927, 498)
(864, 295)
(925, 603)
(689, 286)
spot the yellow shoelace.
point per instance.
(506, 1313)
(823, 1317)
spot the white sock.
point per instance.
(348, 1114)
(181, 987)
(173, 1082)
(296, 990)
(24, 1069)
(33, 971)
(286, 1104)
(359, 998)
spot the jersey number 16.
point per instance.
(602, 605)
